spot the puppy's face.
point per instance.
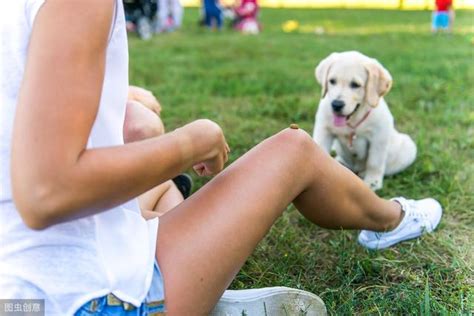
(346, 86)
(351, 81)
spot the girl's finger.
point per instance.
(226, 156)
(199, 169)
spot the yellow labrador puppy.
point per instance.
(355, 121)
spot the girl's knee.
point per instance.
(299, 147)
(295, 140)
(141, 123)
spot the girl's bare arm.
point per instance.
(54, 177)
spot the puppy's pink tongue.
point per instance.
(339, 120)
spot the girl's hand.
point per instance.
(214, 165)
(209, 149)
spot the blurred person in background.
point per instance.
(443, 16)
(246, 17)
(212, 14)
(169, 16)
(140, 15)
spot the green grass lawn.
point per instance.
(253, 86)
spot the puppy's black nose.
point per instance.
(337, 105)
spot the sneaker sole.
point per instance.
(383, 245)
(275, 301)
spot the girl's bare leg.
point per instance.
(142, 123)
(205, 240)
(161, 198)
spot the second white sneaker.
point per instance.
(270, 301)
(421, 216)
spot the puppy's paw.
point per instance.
(374, 183)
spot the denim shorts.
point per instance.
(109, 305)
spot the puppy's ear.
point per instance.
(322, 70)
(379, 82)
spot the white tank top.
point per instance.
(73, 262)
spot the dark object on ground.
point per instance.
(184, 183)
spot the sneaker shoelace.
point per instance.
(408, 207)
(378, 235)
(420, 216)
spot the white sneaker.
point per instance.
(270, 301)
(421, 217)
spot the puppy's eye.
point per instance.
(332, 81)
(355, 85)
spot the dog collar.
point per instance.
(352, 135)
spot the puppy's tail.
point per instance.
(405, 155)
